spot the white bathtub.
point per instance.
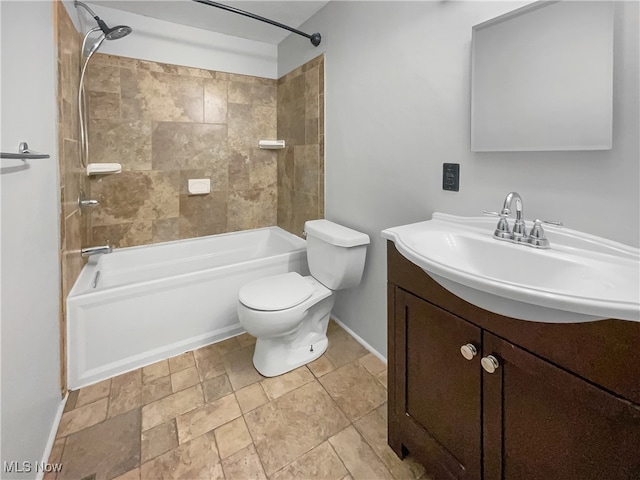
(138, 305)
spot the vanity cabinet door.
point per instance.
(436, 409)
(543, 423)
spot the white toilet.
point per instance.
(289, 313)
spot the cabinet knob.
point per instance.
(468, 351)
(490, 363)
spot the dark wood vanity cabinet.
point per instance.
(550, 410)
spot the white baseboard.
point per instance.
(359, 339)
(52, 435)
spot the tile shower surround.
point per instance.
(73, 226)
(166, 124)
(208, 414)
(301, 163)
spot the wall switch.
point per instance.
(451, 176)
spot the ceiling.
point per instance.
(186, 12)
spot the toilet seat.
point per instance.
(277, 292)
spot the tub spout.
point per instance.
(89, 251)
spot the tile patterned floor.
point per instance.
(208, 414)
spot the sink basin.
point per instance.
(581, 278)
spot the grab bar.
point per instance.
(24, 153)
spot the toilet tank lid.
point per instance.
(335, 234)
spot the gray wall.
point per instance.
(397, 107)
(30, 231)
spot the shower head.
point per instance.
(118, 32)
(110, 33)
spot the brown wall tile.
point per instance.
(123, 234)
(215, 101)
(300, 166)
(134, 197)
(127, 142)
(161, 97)
(203, 214)
(103, 105)
(102, 78)
(178, 146)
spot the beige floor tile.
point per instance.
(55, 457)
(227, 346)
(321, 462)
(240, 369)
(245, 340)
(126, 393)
(343, 348)
(383, 411)
(130, 475)
(216, 388)
(181, 362)
(197, 459)
(354, 390)
(158, 440)
(244, 465)
(293, 424)
(184, 379)
(171, 406)
(382, 378)
(321, 366)
(83, 417)
(107, 449)
(72, 399)
(374, 430)
(333, 326)
(232, 436)
(275, 387)
(156, 389)
(373, 364)
(207, 417)
(358, 457)
(209, 362)
(155, 371)
(251, 397)
(199, 431)
(93, 392)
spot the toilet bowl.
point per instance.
(288, 313)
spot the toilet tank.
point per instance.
(335, 253)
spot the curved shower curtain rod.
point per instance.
(314, 37)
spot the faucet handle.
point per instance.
(502, 229)
(556, 223)
(537, 237)
(502, 214)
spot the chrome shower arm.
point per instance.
(86, 7)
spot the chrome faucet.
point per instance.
(519, 232)
(89, 251)
(536, 238)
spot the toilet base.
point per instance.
(273, 357)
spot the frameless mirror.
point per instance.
(542, 78)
